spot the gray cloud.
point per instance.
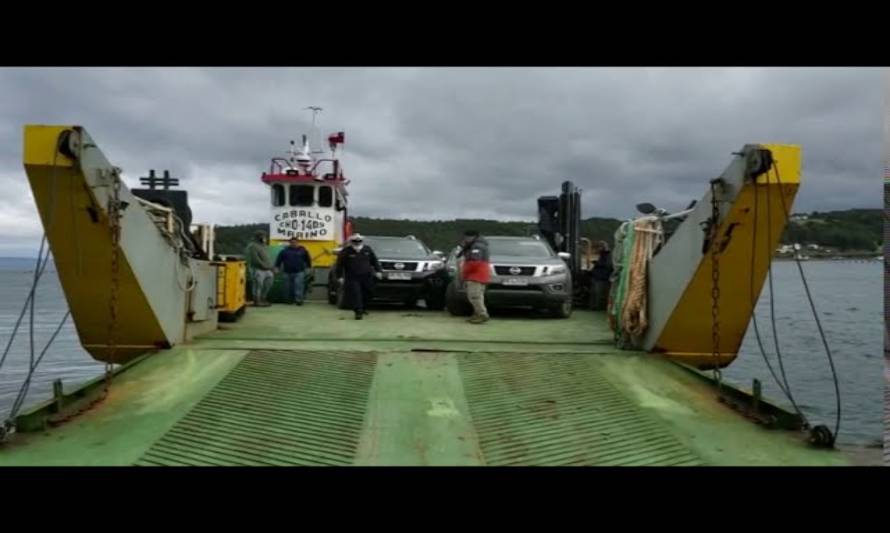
(441, 143)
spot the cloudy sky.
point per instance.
(436, 143)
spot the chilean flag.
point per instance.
(336, 138)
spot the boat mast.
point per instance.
(314, 131)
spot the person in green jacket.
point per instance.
(261, 267)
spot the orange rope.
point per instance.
(634, 312)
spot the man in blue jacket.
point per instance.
(294, 261)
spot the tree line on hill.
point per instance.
(853, 229)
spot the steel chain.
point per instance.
(715, 285)
(114, 219)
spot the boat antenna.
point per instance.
(292, 151)
(314, 131)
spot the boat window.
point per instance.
(302, 195)
(277, 195)
(325, 197)
(341, 202)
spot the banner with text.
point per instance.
(304, 223)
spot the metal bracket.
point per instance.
(752, 406)
(758, 161)
(727, 236)
(7, 430)
(706, 228)
(707, 225)
(821, 437)
(69, 144)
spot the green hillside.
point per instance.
(853, 229)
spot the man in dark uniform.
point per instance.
(356, 268)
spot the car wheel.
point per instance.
(457, 305)
(563, 310)
(435, 301)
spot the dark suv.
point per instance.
(411, 272)
(526, 272)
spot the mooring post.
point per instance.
(58, 395)
(756, 390)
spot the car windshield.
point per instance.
(397, 248)
(519, 248)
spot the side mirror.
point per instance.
(564, 255)
(438, 253)
(646, 208)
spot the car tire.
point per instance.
(456, 304)
(563, 310)
(435, 301)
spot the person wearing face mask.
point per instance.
(356, 268)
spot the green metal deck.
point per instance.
(310, 386)
(276, 408)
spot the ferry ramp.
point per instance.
(309, 386)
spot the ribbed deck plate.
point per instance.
(560, 410)
(275, 408)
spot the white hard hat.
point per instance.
(356, 237)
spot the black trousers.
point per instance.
(599, 294)
(359, 290)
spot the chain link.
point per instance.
(114, 225)
(715, 284)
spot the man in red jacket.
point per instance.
(476, 273)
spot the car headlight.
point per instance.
(434, 265)
(559, 269)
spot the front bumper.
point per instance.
(540, 292)
(418, 287)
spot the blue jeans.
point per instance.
(295, 287)
(262, 282)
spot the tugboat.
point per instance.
(309, 201)
(292, 385)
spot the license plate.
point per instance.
(516, 282)
(403, 276)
